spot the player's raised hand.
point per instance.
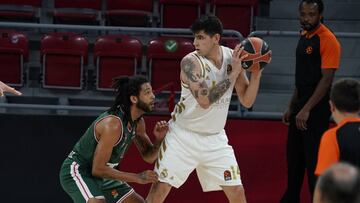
(237, 58)
(147, 176)
(161, 129)
(5, 88)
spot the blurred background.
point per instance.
(63, 54)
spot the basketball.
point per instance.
(259, 53)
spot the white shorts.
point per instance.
(182, 151)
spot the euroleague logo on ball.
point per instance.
(259, 53)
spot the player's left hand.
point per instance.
(237, 58)
(161, 129)
(301, 119)
(5, 88)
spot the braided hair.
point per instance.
(126, 86)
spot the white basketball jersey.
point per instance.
(190, 115)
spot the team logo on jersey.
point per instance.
(164, 173)
(114, 193)
(309, 49)
(227, 175)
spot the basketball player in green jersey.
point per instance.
(5, 88)
(88, 174)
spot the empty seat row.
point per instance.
(116, 13)
(234, 14)
(24, 10)
(64, 57)
(14, 53)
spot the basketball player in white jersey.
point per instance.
(196, 138)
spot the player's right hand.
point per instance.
(160, 130)
(147, 176)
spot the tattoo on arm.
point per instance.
(204, 92)
(143, 146)
(188, 66)
(203, 88)
(203, 85)
(214, 93)
(196, 94)
(218, 91)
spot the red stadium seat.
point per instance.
(63, 58)
(115, 55)
(138, 13)
(77, 11)
(164, 55)
(235, 14)
(20, 10)
(14, 52)
(180, 13)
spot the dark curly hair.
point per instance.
(126, 86)
(210, 24)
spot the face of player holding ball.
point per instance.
(205, 44)
(309, 16)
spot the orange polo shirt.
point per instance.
(329, 151)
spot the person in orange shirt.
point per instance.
(342, 143)
(339, 183)
(5, 88)
(308, 115)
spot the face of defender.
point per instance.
(309, 16)
(146, 98)
(205, 43)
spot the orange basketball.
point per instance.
(259, 53)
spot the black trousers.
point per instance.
(302, 150)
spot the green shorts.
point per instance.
(78, 182)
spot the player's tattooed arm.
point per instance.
(191, 75)
(143, 146)
(219, 90)
(188, 67)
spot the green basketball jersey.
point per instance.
(84, 149)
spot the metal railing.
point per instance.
(110, 28)
(177, 31)
(116, 29)
(263, 33)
